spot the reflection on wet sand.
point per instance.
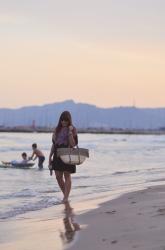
(70, 226)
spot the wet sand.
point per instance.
(135, 220)
(52, 228)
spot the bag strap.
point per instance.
(70, 148)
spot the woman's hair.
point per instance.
(66, 116)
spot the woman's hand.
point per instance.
(71, 137)
(50, 161)
(70, 128)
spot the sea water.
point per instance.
(117, 164)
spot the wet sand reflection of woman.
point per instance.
(70, 226)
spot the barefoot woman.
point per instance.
(65, 135)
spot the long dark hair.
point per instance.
(66, 116)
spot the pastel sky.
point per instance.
(106, 52)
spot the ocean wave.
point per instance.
(156, 180)
(125, 172)
(81, 177)
(81, 186)
(29, 207)
(25, 193)
(48, 191)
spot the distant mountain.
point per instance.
(85, 116)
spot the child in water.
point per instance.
(14, 162)
(38, 154)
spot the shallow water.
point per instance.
(117, 163)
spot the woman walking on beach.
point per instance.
(65, 135)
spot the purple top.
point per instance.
(62, 136)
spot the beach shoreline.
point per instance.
(134, 220)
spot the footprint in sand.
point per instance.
(152, 227)
(111, 212)
(114, 241)
(133, 202)
(161, 211)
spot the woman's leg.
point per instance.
(59, 177)
(68, 185)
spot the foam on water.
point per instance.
(29, 206)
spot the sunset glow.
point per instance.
(107, 53)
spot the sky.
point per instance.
(107, 52)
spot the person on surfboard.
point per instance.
(25, 160)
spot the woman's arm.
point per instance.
(51, 154)
(71, 135)
(52, 148)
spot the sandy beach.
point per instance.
(132, 221)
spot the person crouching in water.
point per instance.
(37, 154)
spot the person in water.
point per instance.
(37, 154)
(65, 135)
(24, 160)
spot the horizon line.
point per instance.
(85, 103)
